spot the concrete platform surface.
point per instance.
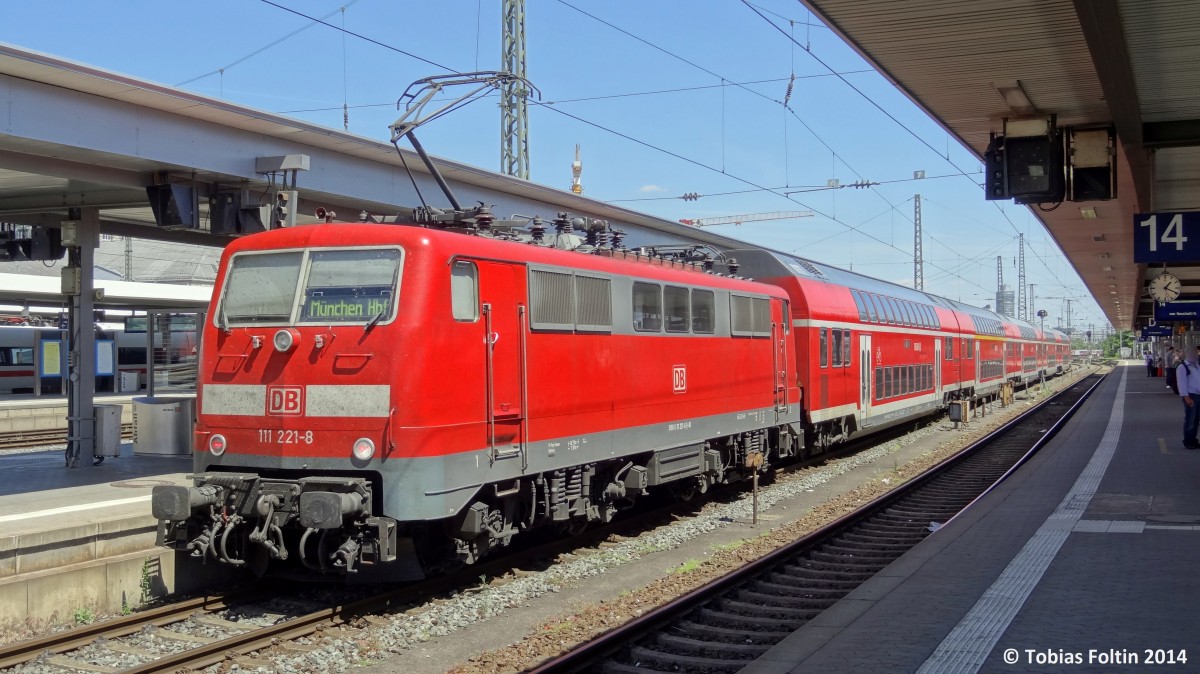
(83, 537)
(1087, 559)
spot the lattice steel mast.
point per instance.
(918, 253)
(1021, 304)
(514, 124)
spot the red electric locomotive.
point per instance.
(373, 394)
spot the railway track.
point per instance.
(204, 631)
(49, 436)
(726, 624)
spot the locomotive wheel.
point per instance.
(685, 490)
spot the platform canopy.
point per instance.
(1129, 63)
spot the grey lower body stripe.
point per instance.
(967, 646)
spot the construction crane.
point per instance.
(746, 217)
(576, 173)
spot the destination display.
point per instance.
(1182, 310)
(332, 305)
(1156, 331)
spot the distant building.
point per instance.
(1006, 302)
(143, 261)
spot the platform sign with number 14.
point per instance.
(1166, 237)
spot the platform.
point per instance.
(1084, 559)
(83, 537)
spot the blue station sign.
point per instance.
(1156, 331)
(1182, 310)
(1170, 236)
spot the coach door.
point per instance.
(937, 365)
(779, 331)
(505, 321)
(975, 351)
(864, 378)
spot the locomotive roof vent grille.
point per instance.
(553, 300)
(593, 301)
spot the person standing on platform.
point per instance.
(1149, 363)
(1188, 376)
(1172, 362)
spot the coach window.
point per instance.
(703, 312)
(909, 318)
(676, 309)
(837, 347)
(912, 378)
(845, 348)
(647, 307)
(874, 308)
(824, 347)
(878, 383)
(887, 382)
(949, 346)
(894, 311)
(858, 302)
(464, 291)
(872, 314)
(884, 310)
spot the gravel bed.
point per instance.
(31, 450)
(465, 609)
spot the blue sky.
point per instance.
(730, 132)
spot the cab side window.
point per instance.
(464, 291)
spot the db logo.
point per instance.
(680, 378)
(285, 400)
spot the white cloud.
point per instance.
(651, 188)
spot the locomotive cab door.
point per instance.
(504, 340)
(864, 378)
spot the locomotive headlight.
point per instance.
(364, 448)
(216, 444)
(285, 339)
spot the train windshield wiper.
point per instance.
(374, 319)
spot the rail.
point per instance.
(728, 622)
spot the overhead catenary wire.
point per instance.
(256, 52)
(914, 134)
(539, 104)
(601, 97)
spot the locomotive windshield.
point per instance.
(343, 285)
